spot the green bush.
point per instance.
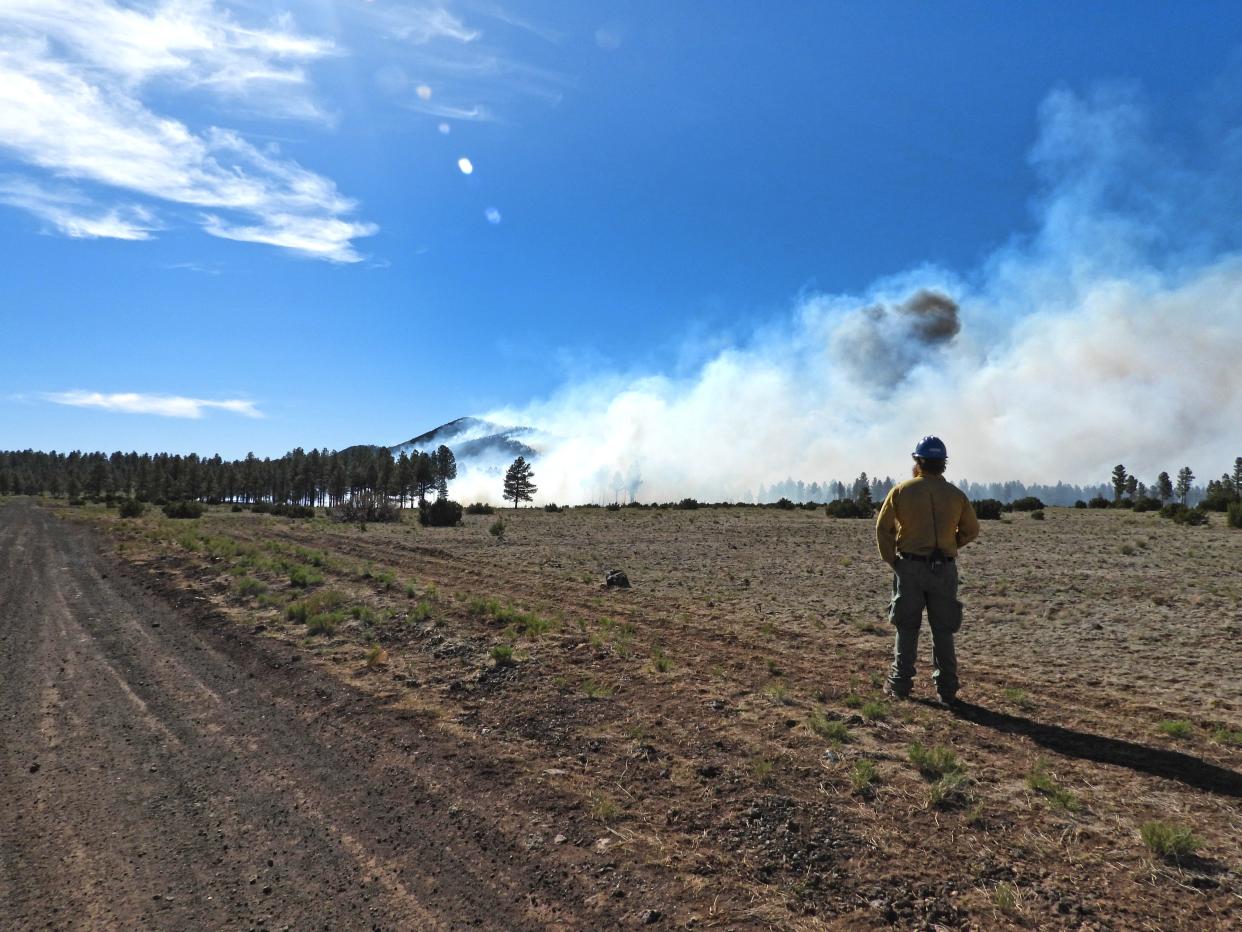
(183, 510)
(304, 576)
(688, 504)
(1234, 518)
(1080, 504)
(293, 511)
(324, 601)
(846, 508)
(131, 508)
(784, 504)
(1147, 504)
(367, 508)
(480, 508)
(987, 509)
(443, 512)
(612, 506)
(553, 508)
(1099, 502)
(1180, 514)
(324, 623)
(1027, 503)
(1038, 514)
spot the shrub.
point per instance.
(1099, 502)
(131, 508)
(784, 504)
(688, 504)
(1026, 503)
(948, 790)
(261, 508)
(846, 508)
(1038, 514)
(1147, 504)
(553, 508)
(304, 576)
(1234, 518)
(497, 529)
(612, 506)
(236, 508)
(286, 510)
(443, 512)
(183, 510)
(325, 600)
(1170, 841)
(323, 623)
(365, 509)
(248, 586)
(987, 509)
(480, 508)
(1080, 504)
(1180, 514)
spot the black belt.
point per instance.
(915, 556)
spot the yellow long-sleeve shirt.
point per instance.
(906, 520)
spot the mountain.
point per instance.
(475, 442)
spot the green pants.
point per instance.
(916, 585)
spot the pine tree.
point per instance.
(1132, 485)
(1237, 476)
(518, 484)
(1119, 481)
(1164, 487)
(445, 467)
(1184, 478)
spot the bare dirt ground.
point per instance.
(707, 749)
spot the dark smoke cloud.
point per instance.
(882, 343)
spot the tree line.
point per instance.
(319, 478)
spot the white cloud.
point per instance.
(162, 405)
(71, 79)
(194, 43)
(421, 24)
(73, 214)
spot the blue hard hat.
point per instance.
(931, 448)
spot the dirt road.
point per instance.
(158, 770)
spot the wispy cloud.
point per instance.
(161, 405)
(421, 23)
(471, 77)
(73, 214)
(71, 80)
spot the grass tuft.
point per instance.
(594, 690)
(304, 576)
(1176, 728)
(1042, 782)
(1172, 842)
(863, 776)
(247, 586)
(502, 655)
(874, 711)
(934, 762)
(324, 623)
(835, 731)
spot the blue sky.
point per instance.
(260, 205)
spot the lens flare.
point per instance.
(492, 215)
(444, 129)
(466, 166)
(424, 92)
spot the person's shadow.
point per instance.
(1171, 765)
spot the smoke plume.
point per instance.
(1113, 333)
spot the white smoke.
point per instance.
(1113, 334)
